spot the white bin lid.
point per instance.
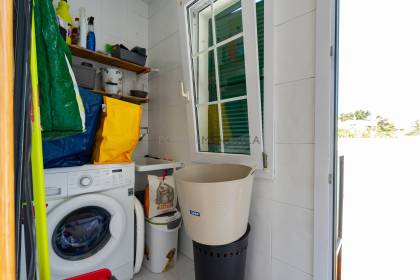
(165, 219)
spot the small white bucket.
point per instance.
(215, 201)
(161, 248)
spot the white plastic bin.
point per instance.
(161, 248)
(215, 201)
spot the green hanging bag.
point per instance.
(62, 112)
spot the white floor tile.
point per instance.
(183, 270)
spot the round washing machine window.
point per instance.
(82, 233)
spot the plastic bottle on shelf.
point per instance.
(75, 32)
(91, 40)
(82, 28)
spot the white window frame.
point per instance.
(253, 92)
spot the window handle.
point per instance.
(184, 94)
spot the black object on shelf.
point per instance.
(223, 262)
(139, 50)
(135, 56)
(138, 93)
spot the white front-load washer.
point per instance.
(90, 215)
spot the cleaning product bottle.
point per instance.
(82, 28)
(64, 20)
(75, 32)
(91, 40)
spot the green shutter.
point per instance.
(232, 79)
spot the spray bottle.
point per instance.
(91, 40)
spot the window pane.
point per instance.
(235, 127)
(228, 18)
(206, 80)
(209, 129)
(232, 69)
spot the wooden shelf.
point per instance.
(109, 60)
(132, 99)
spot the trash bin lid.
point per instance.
(165, 219)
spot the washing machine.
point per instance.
(90, 215)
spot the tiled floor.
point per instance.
(183, 270)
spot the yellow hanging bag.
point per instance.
(119, 132)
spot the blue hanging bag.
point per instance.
(77, 149)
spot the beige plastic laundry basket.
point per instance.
(215, 201)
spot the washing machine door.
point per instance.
(84, 232)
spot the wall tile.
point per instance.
(295, 112)
(174, 119)
(136, 30)
(164, 22)
(169, 86)
(185, 243)
(113, 18)
(295, 169)
(166, 55)
(295, 49)
(155, 6)
(282, 271)
(263, 188)
(258, 265)
(259, 218)
(292, 235)
(288, 9)
(139, 7)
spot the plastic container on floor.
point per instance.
(215, 201)
(224, 262)
(161, 248)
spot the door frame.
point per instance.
(325, 111)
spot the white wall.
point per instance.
(167, 109)
(281, 242)
(119, 22)
(282, 210)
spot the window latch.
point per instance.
(184, 94)
(265, 160)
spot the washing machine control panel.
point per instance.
(120, 177)
(86, 181)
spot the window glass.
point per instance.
(82, 233)
(235, 127)
(231, 65)
(209, 128)
(206, 78)
(228, 19)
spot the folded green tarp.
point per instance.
(62, 112)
